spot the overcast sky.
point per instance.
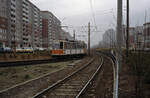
(78, 13)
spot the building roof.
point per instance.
(147, 23)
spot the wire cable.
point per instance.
(93, 14)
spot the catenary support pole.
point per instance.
(119, 45)
(127, 31)
(74, 34)
(89, 39)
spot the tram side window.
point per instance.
(65, 45)
(61, 45)
(68, 45)
(56, 46)
(77, 46)
(73, 45)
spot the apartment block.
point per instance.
(26, 24)
(31, 25)
(51, 28)
(22, 24)
(147, 35)
(36, 23)
(17, 15)
(3, 23)
(139, 38)
(132, 36)
(56, 28)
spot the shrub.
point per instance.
(27, 77)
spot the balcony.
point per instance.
(25, 14)
(13, 2)
(13, 13)
(13, 7)
(25, 2)
(25, 10)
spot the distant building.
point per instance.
(135, 37)
(21, 23)
(147, 35)
(124, 36)
(51, 28)
(65, 35)
(36, 22)
(26, 22)
(3, 23)
(139, 39)
(132, 36)
(109, 38)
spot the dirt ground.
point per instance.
(9, 57)
(127, 86)
(10, 76)
(104, 88)
(33, 87)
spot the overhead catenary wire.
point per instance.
(93, 13)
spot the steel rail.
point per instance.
(115, 66)
(92, 78)
(60, 81)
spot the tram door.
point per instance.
(61, 45)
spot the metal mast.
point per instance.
(89, 45)
(119, 45)
(127, 30)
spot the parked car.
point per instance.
(1, 50)
(6, 50)
(19, 50)
(42, 49)
(28, 50)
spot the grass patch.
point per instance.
(27, 76)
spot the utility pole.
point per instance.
(145, 45)
(119, 31)
(119, 52)
(74, 34)
(127, 30)
(89, 31)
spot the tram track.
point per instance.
(30, 88)
(75, 84)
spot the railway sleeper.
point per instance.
(68, 90)
(62, 94)
(72, 87)
(57, 96)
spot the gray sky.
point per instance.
(78, 13)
